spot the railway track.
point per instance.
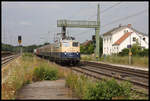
(138, 78)
(7, 59)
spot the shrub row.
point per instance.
(136, 51)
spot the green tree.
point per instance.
(136, 49)
(124, 52)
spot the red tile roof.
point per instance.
(122, 38)
(87, 42)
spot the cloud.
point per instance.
(25, 23)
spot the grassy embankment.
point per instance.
(28, 69)
(136, 60)
(86, 88)
(25, 70)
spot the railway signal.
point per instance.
(19, 41)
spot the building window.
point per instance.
(117, 47)
(144, 39)
(134, 39)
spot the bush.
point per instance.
(107, 90)
(145, 52)
(44, 72)
(124, 52)
(136, 51)
(104, 89)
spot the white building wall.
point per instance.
(107, 44)
(109, 40)
(129, 40)
(119, 34)
(144, 43)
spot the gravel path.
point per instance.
(45, 90)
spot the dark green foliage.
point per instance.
(145, 52)
(99, 90)
(44, 72)
(11, 48)
(124, 52)
(89, 49)
(136, 51)
(7, 47)
(107, 90)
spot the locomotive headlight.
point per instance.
(65, 53)
(77, 53)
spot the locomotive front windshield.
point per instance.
(75, 44)
(66, 44)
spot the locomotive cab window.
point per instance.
(66, 44)
(75, 44)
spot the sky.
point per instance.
(36, 22)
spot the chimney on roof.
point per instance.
(129, 25)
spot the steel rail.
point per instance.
(7, 59)
(145, 85)
(96, 75)
(129, 71)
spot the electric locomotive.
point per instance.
(63, 51)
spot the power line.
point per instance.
(110, 7)
(78, 12)
(101, 12)
(125, 18)
(105, 10)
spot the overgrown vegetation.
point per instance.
(135, 60)
(45, 72)
(25, 70)
(104, 89)
(87, 57)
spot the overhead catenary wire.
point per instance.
(110, 7)
(121, 19)
(77, 12)
(125, 18)
(105, 10)
(102, 11)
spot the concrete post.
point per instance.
(97, 30)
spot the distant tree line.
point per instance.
(11, 48)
